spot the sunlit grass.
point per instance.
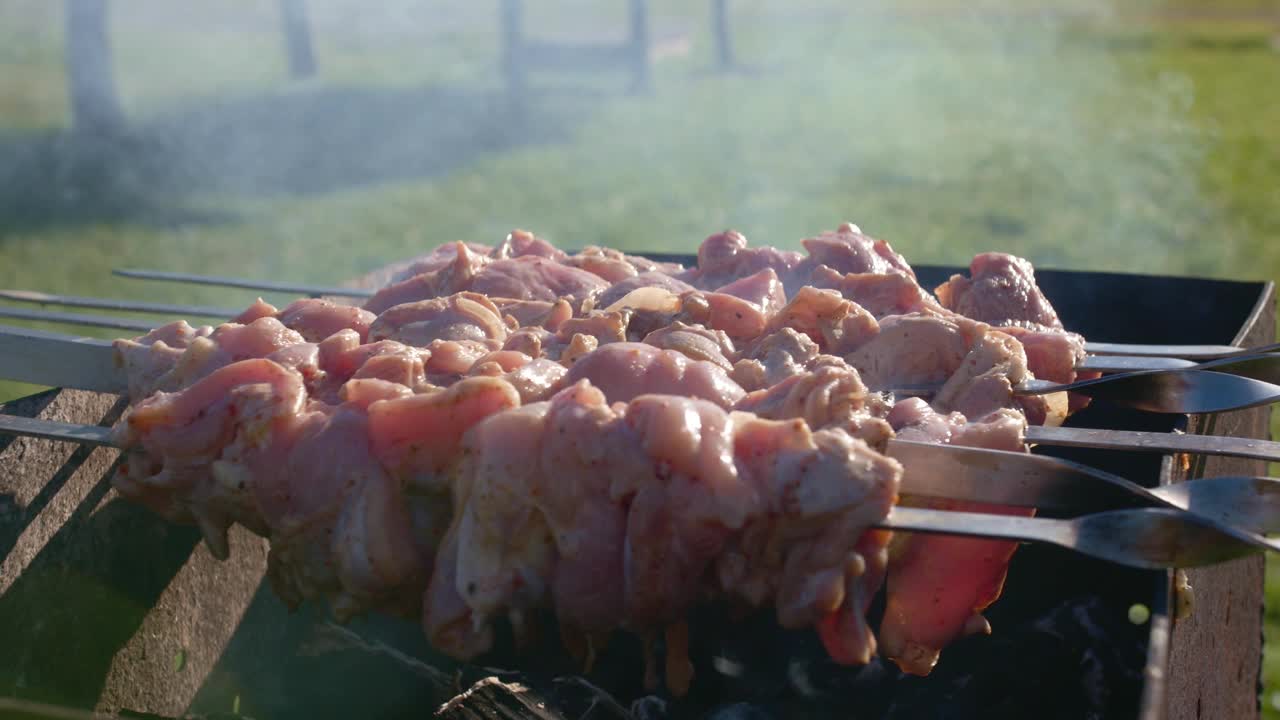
(1144, 147)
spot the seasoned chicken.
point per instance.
(696, 500)
(1001, 290)
(847, 250)
(725, 257)
(911, 350)
(623, 371)
(653, 279)
(511, 429)
(695, 341)
(837, 325)
(938, 586)
(461, 316)
(315, 319)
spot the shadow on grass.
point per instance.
(83, 597)
(305, 140)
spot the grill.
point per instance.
(104, 605)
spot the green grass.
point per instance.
(1145, 143)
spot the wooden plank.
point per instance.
(1216, 654)
(104, 605)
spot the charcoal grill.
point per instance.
(104, 605)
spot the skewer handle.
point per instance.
(49, 430)
(1135, 441)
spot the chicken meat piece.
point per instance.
(626, 370)
(1053, 355)
(462, 316)
(724, 258)
(259, 309)
(265, 337)
(455, 276)
(1001, 290)
(519, 243)
(342, 357)
(774, 358)
(731, 315)
(769, 512)
(984, 381)
(148, 358)
(341, 527)
(498, 362)
(695, 341)
(879, 294)
(605, 327)
(173, 439)
(938, 586)
(740, 309)
(831, 395)
(535, 380)
(521, 277)
(911, 350)
(529, 313)
(652, 279)
(418, 438)
(847, 250)
(837, 325)
(535, 278)
(812, 550)
(441, 257)
(763, 290)
(611, 265)
(315, 319)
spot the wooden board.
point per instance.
(102, 604)
(1216, 654)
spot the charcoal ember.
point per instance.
(516, 697)
(1081, 660)
(740, 711)
(746, 658)
(650, 707)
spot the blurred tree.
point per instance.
(297, 38)
(720, 31)
(95, 106)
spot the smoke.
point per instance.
(1056, 130)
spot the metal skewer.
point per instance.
(1161, 537)
(105, 321)
(96, 303)
(1266, 367)
(264, 285)
(1187, 352)
(85, 363)
(1150, 538)
(1178, 392)
(1048, 483)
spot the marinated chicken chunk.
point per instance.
(501, 431)
(938, 586)
(1001, 290)
(624, 371)
(764, 511)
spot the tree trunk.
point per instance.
(297, 38)
(512, 27)
(95, 107)
(639, 15)
(720, 29)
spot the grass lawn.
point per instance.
(1148, 142)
